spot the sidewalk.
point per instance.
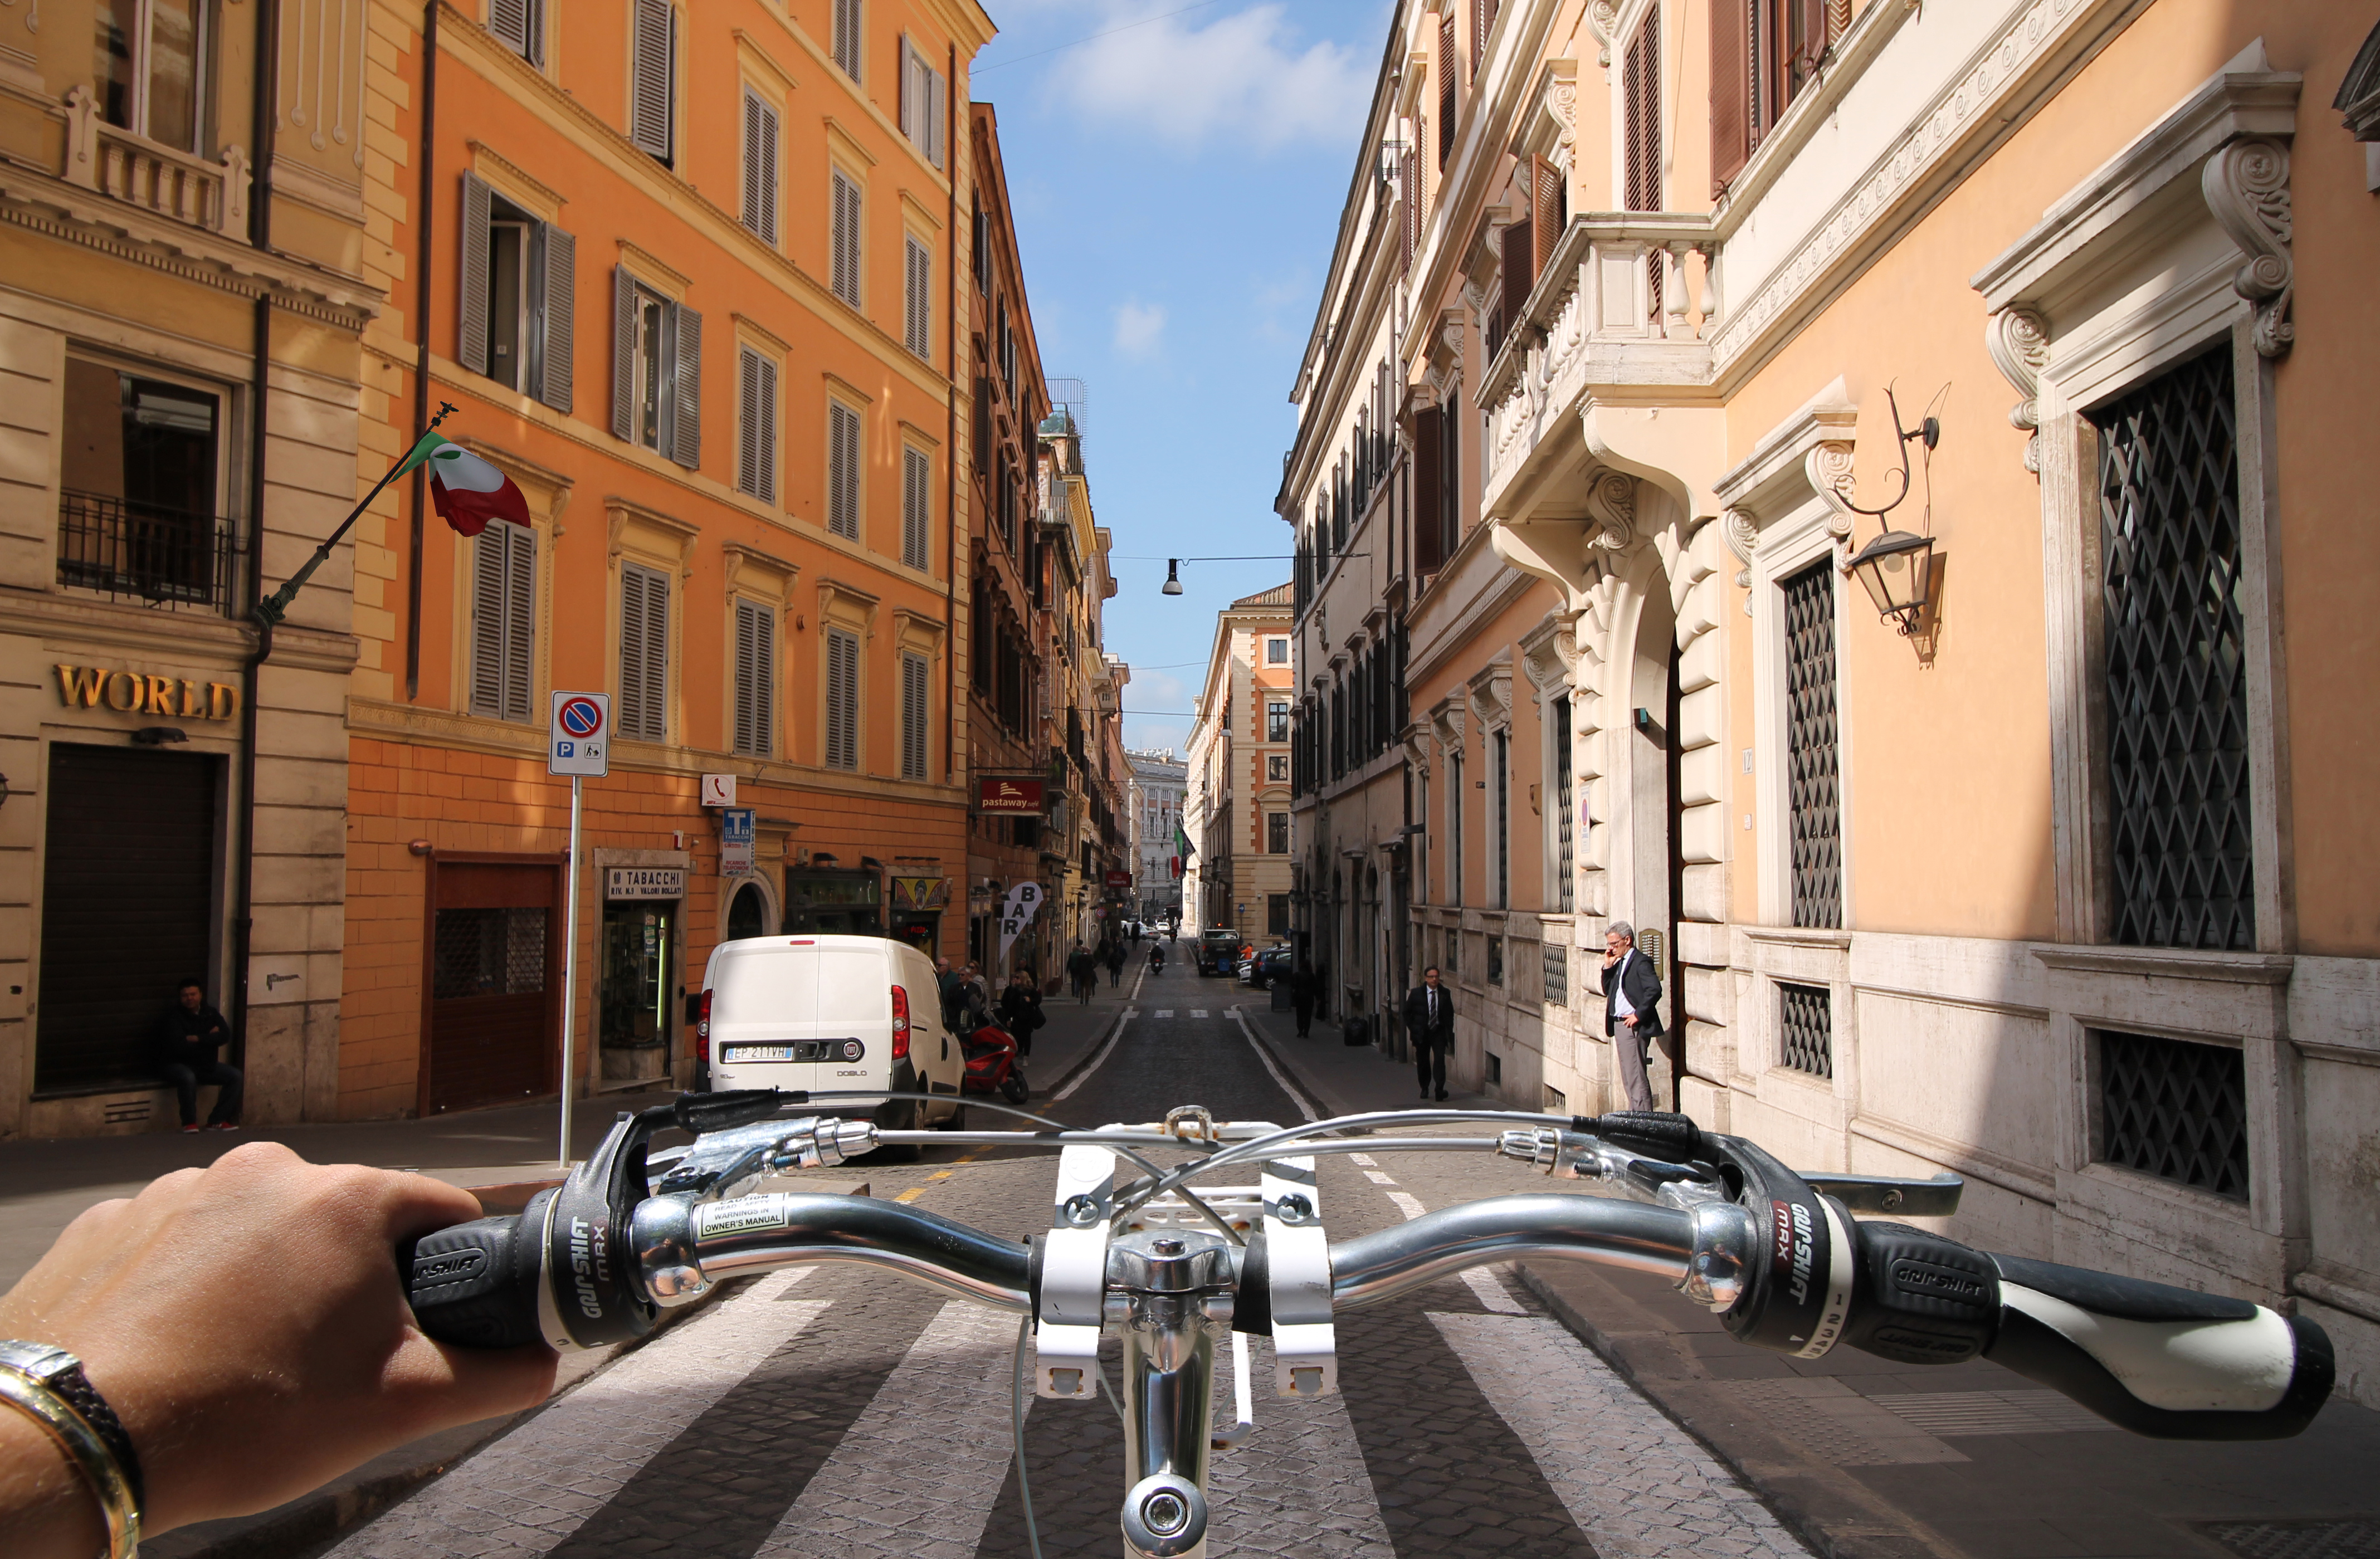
(1868, 1459)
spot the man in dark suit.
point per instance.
(1631, 1008)
(1429, 1020)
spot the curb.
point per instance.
(1083, 1062)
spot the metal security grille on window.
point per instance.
(1566, 849)
(1557, 968)
(2176, 684)
(2175, 1111)
(1806, 1023)
(1813, 788)
(488, 952)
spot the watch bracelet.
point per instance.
(90, 1452)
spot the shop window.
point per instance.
(635, 1007)
(833, 901)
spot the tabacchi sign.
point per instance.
(132, 692)
(1019, 797)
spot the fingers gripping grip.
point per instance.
(476, 1285)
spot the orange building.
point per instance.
(690, 279)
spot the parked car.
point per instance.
(828, 1013)
(1272, 964)
(1217, 952)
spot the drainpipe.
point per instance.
(950, 444)
(424, 210)
(267, 71)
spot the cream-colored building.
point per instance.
(182, 294)
(1236, 807)
(2067, 887)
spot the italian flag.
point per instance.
(468, 491)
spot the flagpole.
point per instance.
(275, 607)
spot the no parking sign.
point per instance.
(579, 740)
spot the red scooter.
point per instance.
(993, 1065)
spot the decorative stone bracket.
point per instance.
(2247, 188)
(2018, 339)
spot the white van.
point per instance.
(827, 1013)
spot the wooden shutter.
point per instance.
(937, 118)
(844, 238)
(917, 276)
(1429, 555)
(685, 368)
(651, 97)
(916, 506)
(557, 321)
(1549, 212)
(644, 653)
(756, 418)
(1641, 78)
(843, 470)
(912, 101)
(1482, 14)
(1733, 127)
(756, 678)
(913, 716)
(1515, 276)
(508, 19)
(624, 354)
(847, 37)
(504, 603)
(759, 167)
(1445, 86)
(841, 699)
(473, 347)
(1409, 196)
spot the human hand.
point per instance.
(247, 1323)
(1630, 1020)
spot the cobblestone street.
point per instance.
(841, 1411)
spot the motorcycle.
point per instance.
(993, 1065)
(1170, 1271)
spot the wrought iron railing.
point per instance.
(129, 551)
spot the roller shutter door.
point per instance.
(127, 907)
(496, 943)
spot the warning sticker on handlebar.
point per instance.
(741, 1216)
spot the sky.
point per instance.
(1177, 171)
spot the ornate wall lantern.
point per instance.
(1896, 568)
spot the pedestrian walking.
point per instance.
(1429, 1019)
(1019, 1010)
(1115, 964)
(1300, 998)
(1082, 971)
(1631, 1015)
(183, 1048)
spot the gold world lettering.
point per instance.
(76, 685)
(136, 691)
(223, 701)
(161, 696)
(191, 707)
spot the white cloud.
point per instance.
(1244, 76)
(1139, 328)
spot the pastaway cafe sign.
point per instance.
(135, 693)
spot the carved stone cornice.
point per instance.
(2247, 188)
(2018, 339)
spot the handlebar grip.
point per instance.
(2158, 1360)
(476, 1285)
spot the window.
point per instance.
(1805, 1027)
(652, 92)
(1277, 652)
(1445, 89)
(1277, 720)
(1494, 957)
(917, 316)
(916, 506)
(756, 680)
(1275, 833)
(2174, 1109)
(843, 234)
(915, 715)
(1494, 1063)
(1813, 784)
(1764, 53)
(761, 180)
(642, 714)
(1565, 824)
(150, 68)
(848, 51)
(1503, 819)
(1276, 768)
(1556, 962)
(1276, 915)
(520, 25)
(2177, 680)
(1454, 829)
(656, 370)
(756, 418)
(1641, 85)
(139, 485)
(519, 297)
(503, 606)
(841, 470)
(841, 699)
(925, 103)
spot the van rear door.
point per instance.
(855, 1001)
(764, 1011)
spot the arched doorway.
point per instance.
(747, 912)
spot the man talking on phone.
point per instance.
(1632, 1010)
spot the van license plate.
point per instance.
(806, 1050)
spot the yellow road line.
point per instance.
(911, 1194)
(941, 1175)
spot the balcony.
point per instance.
(129, 550)
(1626, 303)
(139, 172)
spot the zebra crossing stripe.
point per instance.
(1165, 1012)
(944, 1407)
(1632, 1480)
(526, 1492)
(1300, 1487)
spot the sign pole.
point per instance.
(570, 973)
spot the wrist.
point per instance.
(45, 1507)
